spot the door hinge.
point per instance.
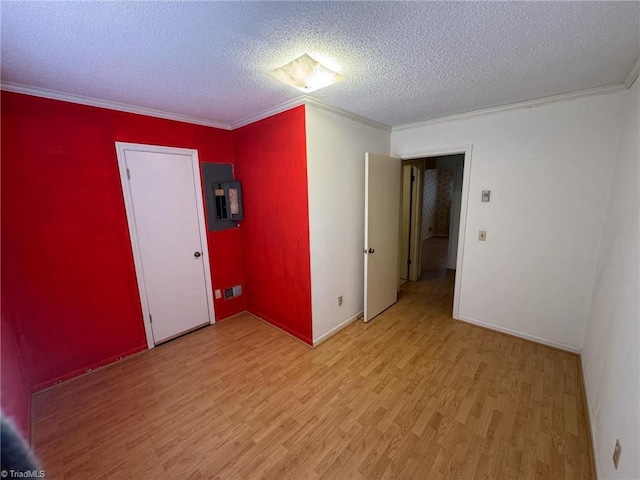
(128, 174)
(408, 261)
(413, 177)
(150, 318)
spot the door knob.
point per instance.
(371, 250)
(197, 254)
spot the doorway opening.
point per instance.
(432, 211)
(440, 221)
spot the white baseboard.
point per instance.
(594, 445)
(517, 333)
(324, 337)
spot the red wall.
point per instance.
(68, 278)
(225, 255)
(271, 163)
(70, 299)
(16, 397)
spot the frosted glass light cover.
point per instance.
(306, 74)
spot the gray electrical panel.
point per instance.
(223, 196)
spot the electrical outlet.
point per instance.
(482, 235)
(616, 453)
(340, 300)
(218, 293)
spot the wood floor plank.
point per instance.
(412, 394)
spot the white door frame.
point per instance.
(415, 234)
(466, 179)
(121, 149)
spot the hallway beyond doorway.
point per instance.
(434, 258)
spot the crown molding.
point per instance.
(346, 113)
(617, 87)
(121, 107)
(633, 74)
(312, 102)
(95, 102)
(306, 100)
(283, 107)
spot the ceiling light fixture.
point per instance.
(306, 74)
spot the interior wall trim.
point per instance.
(617, 87)
(326, 336)
(517, 333)
(313, 102)
(306, 100)
(631, 77)
(96, 102)
(590, 416)
(283, 107)
(346, 113)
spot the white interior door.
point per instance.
(165, 196)
(381, 232)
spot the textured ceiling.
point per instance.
(403, 61)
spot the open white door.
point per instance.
(381, 227)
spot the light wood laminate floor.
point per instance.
(413, 394)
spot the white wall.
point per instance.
(611, 358)
(549, 169)
(335, 167)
